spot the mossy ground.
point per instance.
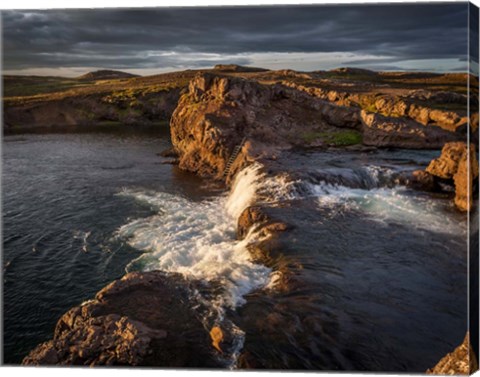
(334, 138)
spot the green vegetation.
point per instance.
(352, 77)
(336, 138)
(371, 108)
(15, 86)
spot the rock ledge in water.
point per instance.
(142, 319)
(458, 163)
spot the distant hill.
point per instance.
(237, 68)
(106, 74)
(354, 71)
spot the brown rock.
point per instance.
(457, 162)
(447, 119)
(447, 164)
(464, 179)
(382, 131)
(218, 112)
(461, 361)
(216, 334)
(421, 180)
(141, 319)
(249, 217)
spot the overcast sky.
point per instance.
(146, 41)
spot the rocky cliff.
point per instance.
(218, 112)
(130, 321)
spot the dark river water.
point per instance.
(61, 209)
(380, 271)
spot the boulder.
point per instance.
(143, 319)
(461, 361)
(447, 164)
(464, 178)
(458, 163)
(421, 180)
(257, 216)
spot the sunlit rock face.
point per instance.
(403, 132)
(462, 360)
(458, 162)
(218, 112)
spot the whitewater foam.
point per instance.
(392, 205)
(197, 239)
(372, 190)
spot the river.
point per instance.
(380, 271)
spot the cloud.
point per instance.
(185, 37)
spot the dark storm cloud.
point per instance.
(177, 37)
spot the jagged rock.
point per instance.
(142, 319)
(258, 217)
(249, 217)
(389, 105)
(447, 164)
(395, 106)
(464, 179)
(219, 111)
(461, 361)
(382, 131)
(453, 164)
(421, 180)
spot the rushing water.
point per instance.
(379, 271)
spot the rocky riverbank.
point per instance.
(221, 124)
(218, 112)
(142, 319)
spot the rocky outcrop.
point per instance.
(458, 163)
(256, 216)
(437, 97)
(421, 180)
(419, 106)
(142, 319)
(218, 112)
(461, 361)
(446, 165)
(382, 131)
